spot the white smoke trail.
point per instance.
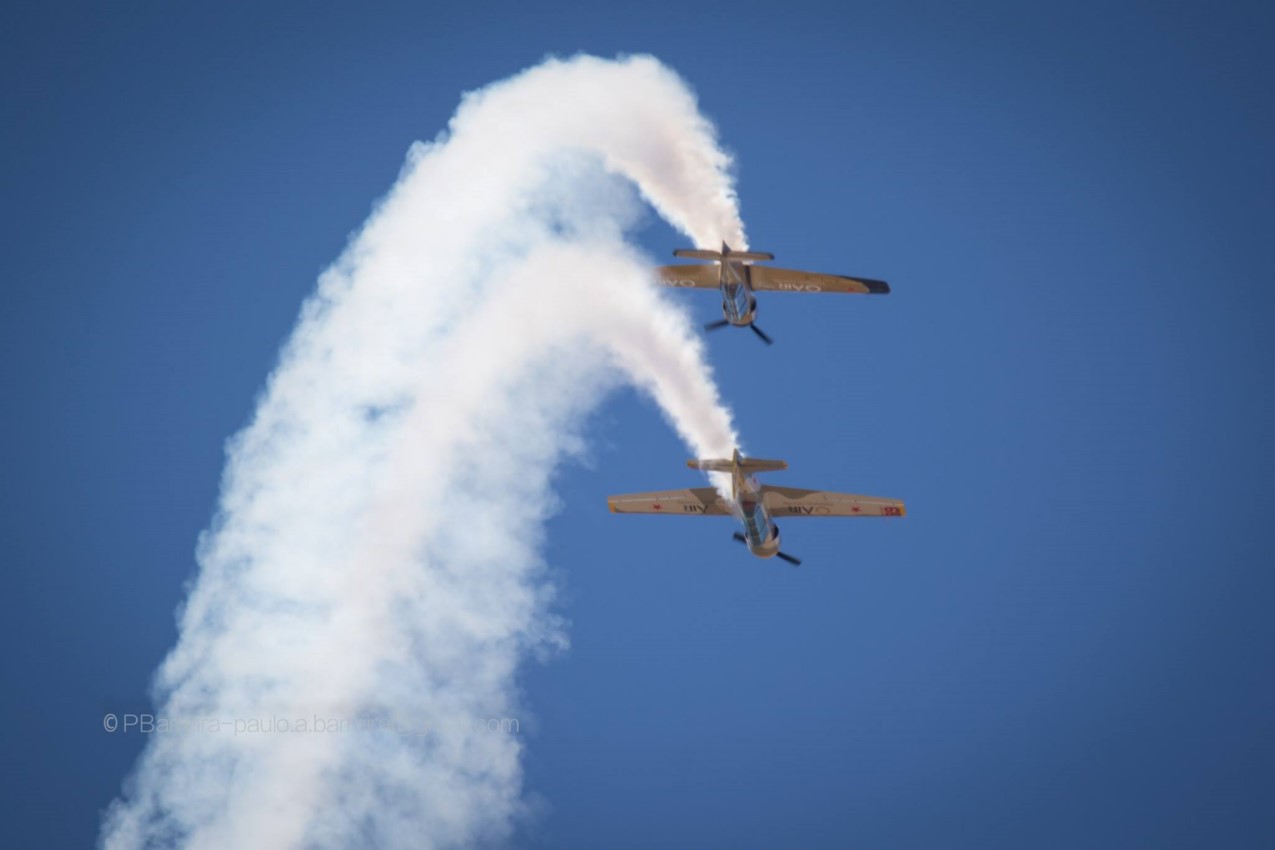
(375, 557)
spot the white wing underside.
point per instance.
(696, 501)
(790, 501)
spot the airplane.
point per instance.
(738, 278)
(753, 504)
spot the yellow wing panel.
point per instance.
(689, 277)
(770, 279)
(697, 501)
(789, 501)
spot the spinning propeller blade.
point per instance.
(760, 333)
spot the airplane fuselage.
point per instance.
(760, 532)
(739, 306)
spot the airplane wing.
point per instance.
(697, 501)
(770, 279)
(695, 277)
(789, 501)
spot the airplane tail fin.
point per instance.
(743, 464)
(719, 256)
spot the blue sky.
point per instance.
(1066, 643)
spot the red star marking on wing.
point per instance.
(855, 509)
(657, 506)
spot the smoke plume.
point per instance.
(373, 568)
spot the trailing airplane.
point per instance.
(753, 504)
(738, 278)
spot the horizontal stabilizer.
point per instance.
(746, 464)
(752, 256)
(746, 256)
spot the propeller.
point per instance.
(796, 562)
(761, 334)
(721, 323)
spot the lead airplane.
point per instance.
(738, 278)
(754, 504)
